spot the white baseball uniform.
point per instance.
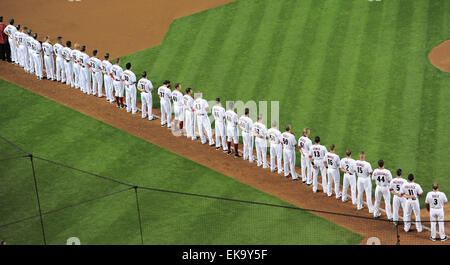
(219, 117)
(22, 50)
(60, 72)
(49, 60)
(436, 200)
(382, 178)
(68, 66)
(260, 132)
(245, 123)
(37, 58)
(232, 126)
(288, 142)
(146, 97)
(107, 79)
(190, 117)
(29, 41)
(364, 184)
(276, 151)
(203, 122)
(97, 78)
(304, 144)
(85, 73)
(165, 94)
(75, 58)
(349, 179)
(333, 162)
(317, 153)
(396, 185)
(116, 75)
(129, 78)
(412, 189)
(178, 110)
(11, 30)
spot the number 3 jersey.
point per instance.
(382, 177)
(436, 199)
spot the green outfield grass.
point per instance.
(51, 130)
(354, 71)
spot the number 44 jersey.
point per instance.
(382, 177)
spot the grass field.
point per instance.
(50, 130)
(354, 71)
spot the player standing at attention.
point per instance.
(333, 161)
(364, 183)
(129, 80)
(189, 114)
(395, 188)
(201, 111)
(106, 70)
(10, 31)
(165, 94)
(29, 41)
(304, 146)
(116, 75)
(288, 142)
(58, 48)
(219, 116)
(37, 57)
(259, 130)
(348, 166)
(276, 151)
(178, 110)
(85, 73)
(412, 191)
(317, 158)
(48, 59)
(232, 130)
(434, 202)
(146, 88)
(21, 48)
(245, 123)
(68, 63)
(95, 65)
(382, 178)
(75, 58)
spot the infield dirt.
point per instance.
(141, 25)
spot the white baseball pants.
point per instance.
(319, 167)
(349, 180)
(364, 185)
(118, 87)
(14, 55)
(30, 62)
(220, 135)
(69, 73)
(22, 53)
(60, 73)
(77, 78)
(190, 124)
(146, 100)
(97, 83)
(289, 162)
(247, 139)
(38, 66)
(49, 67)
(333, 177)
(261, 152)
(233, 135)
(178, 112)
(166, 113)
(412, 206)
(108, 87)
(131, 98)
(437, 215)
(82, 80)
(396, 203)
(203, 122)
(306, 169)
(276, 152)
(382, 192)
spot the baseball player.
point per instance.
(382, 178)
(412, 191)
(245, 123)
(85, 73)
(317, 155)
(21, 48)
(219, 116)
(36, 46)
(58, 49)
(333, 161)
(10, 31)
(395, 188)
(95, 65)
(364, 183)
(106, 70)
(288, 142)
(348, 166)
(75, 58)
(189, 114)
(29, 40)
(434, 202)
(165, 94)
(304, 146)
(146, 88)
(276, 151)
(49, 60)
(232, 130)
(68, 65)
(129, 80)
(116, 75)
(178, 110)
(201, 111)
(259, 130)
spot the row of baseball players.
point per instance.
(75, 68)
